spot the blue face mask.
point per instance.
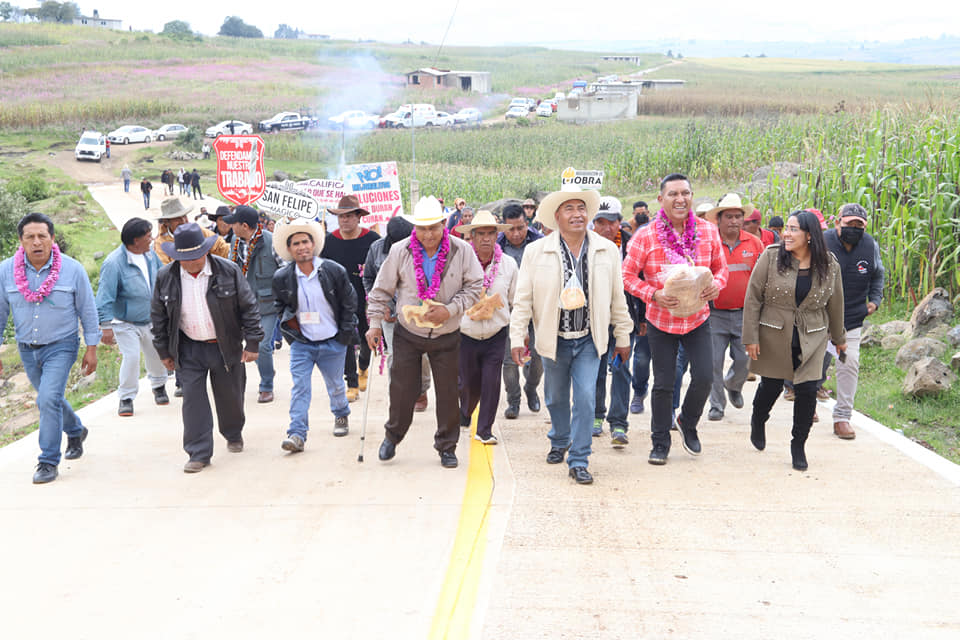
(851, 235)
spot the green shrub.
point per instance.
(13, 206)
(32, 188)
(191, 139)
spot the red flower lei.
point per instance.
(423, 291)
(20, 275)
(253, 242)
(491, 273)
(678, 250)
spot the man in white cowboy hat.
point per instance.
(570, 286)
(435, 278)
(742, 250)
(173, 213)
(348, 246)
(675, 237)
(317, 306)
(485, 327)
(203, 311)
(252, 251)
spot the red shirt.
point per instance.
(767, 237)
(646, 256)
(740, 262)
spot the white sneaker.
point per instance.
(491, 439)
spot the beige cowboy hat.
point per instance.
(173, 208)
(547, 213)
(482, 218)
(728, 201)
(427, 212)
(284, 230)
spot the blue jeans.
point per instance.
(126, 186)
(577, 364)
(641, 365)
(619, 388)
(47, 367)
(328, 357)
(265, 359)
(146, 200)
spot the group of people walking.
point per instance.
(572, 305)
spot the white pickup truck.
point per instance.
(92, 146)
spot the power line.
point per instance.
(444, 40)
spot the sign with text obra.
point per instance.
(582, 179)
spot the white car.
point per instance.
(518, 111)
(169, 131)
(545, 110)
(130, 133)
(444, 119)
(467, 116)
(223, 129)
(92, 146)
(353, 120)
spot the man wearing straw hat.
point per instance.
(485, 327)
(203, 311)
(570, 286)
(348, 246)
(317, 308)
(173, 213)
(742, 250)
(436, 278)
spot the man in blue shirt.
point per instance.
(48, 293)
(127, 278)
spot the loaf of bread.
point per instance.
(484, 307)
(413, 313)
(572, 298)
(686, 284)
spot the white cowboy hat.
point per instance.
(547, 213)
(482, 218)
(284, 230)
(173, 208)
(427, 212)
(728, 201)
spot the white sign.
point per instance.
(327, 193)
(582, 179)
(377, 185)
(283, 199)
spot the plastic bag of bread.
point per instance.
(413, 314)
(484, 308)
(686, 284)
(572, 296)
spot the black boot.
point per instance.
(758, 433)
(804, 406)
(798, 455)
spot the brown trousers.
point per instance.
(444, 356)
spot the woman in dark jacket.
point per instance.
(794, 303)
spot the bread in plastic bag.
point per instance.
(686, 284)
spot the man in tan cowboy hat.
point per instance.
(435, 278)
(485, 327)
(348, 247)
(203, 311)
(317, 308)
(529, 210)
(570, 286)
(172, 214)
(726, 312)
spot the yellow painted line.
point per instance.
(458, 596)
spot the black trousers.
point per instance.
(804, 403)
(350, 373)
(444, 356)
(197, 359)
(480, 364)
(698, 347)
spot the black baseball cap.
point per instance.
(245, 215)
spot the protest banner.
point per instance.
(285, 200)
(240, 174)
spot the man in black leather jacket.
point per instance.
(203, 311)
(317, 307)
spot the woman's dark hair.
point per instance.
(31, 218)
(819, 256)
(134, 228)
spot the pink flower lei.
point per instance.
(491, 274)
(20, 275)
(678, 250)
(423, 291)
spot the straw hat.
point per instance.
(482, 218)
(284, 230)
(729, 201)
(427, 212)
(547, 213)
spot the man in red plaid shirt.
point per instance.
(675, 236)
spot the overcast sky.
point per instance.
(495, 22)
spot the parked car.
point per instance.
(92, 146)
(130, 133)
(286, 121)
(169, 131)
(467, 116)
(519, 102)
(517, 111)
(353, 120)
(545, 110)
(223, 129)
(444, 119)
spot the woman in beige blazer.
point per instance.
(794, 304)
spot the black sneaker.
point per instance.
(126, 408)
(178, 392)
(160, 396)
(658, 455)
(511, 412)
(387, 450)
(736, 398)
(688, 438)
(556, 455)
(533, 402)
(581, 475)
(75, 445)
(45, 473)
(618, 438)
(448, 460)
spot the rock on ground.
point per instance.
(895, 341)
(919, 348)
(953, 336)
(928, 376)
(934, 310)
